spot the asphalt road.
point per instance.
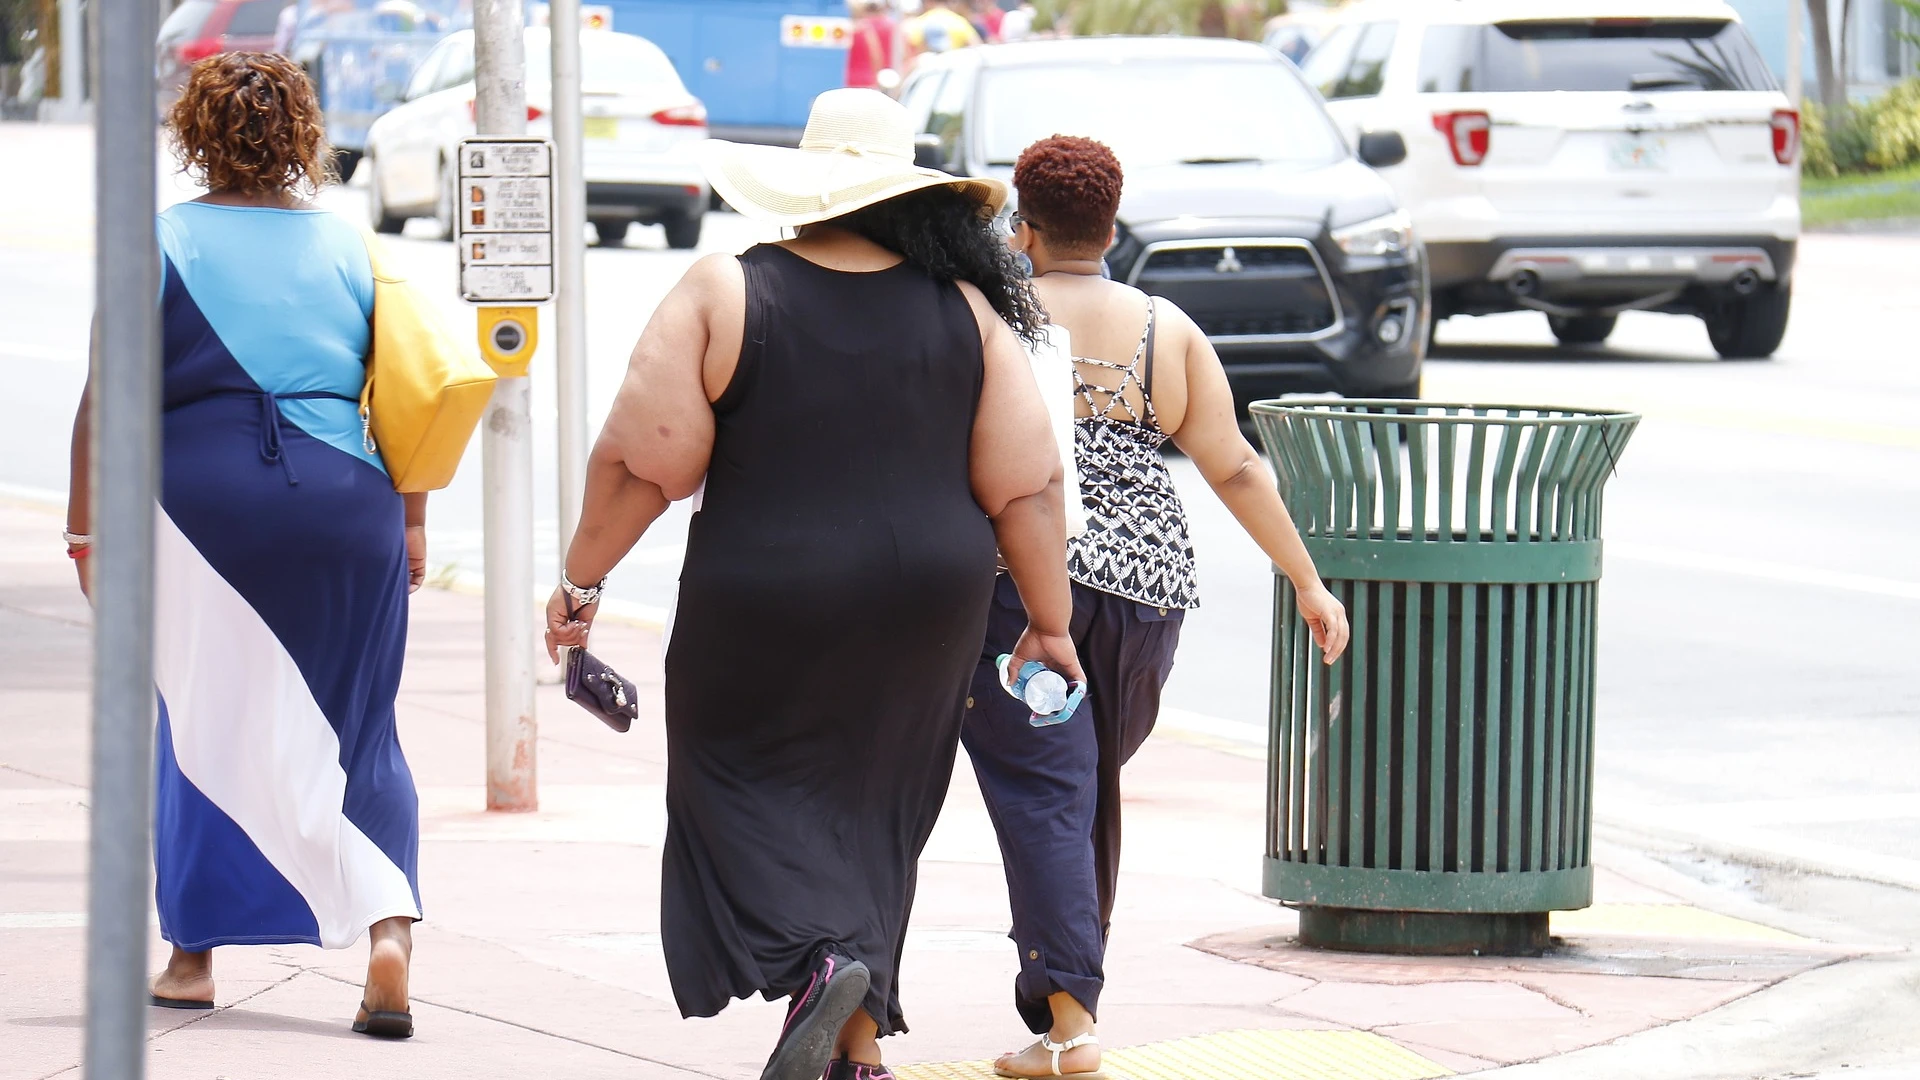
(1760, 641)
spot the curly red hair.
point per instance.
(1070, 190)
(250, 124)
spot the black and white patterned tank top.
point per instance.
(1136, 544)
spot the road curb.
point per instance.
(1845, 1015)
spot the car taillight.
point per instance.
(1469, 134)
(694, 115)
(1786, 135)
(193, 52)
(473, 112)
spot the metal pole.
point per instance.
(125, 482)
(1796, 47)
(569, 265)
(73, 69)
(506, 444)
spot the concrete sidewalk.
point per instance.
(541, 956)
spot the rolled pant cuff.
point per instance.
(1036, 982)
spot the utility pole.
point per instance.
(569, 265)
(1796, 49)
(506, 444)
(126, 483)
(73, 64)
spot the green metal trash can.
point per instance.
(1433, 791)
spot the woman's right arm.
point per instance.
(658, 438)
(1018, 479)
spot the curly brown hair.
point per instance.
(249, 124)
(1070, 191)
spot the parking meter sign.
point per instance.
(504, 220)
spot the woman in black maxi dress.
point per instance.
(868, 432)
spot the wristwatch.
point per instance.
(582, 597)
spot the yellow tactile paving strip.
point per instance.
(1667, 921)
(1238, 1055)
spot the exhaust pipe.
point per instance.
(1523, 284)
(1746, 282)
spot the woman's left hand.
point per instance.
(564, 629)
(416, 557)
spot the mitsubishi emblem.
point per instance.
(1229, 263)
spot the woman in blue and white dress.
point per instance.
(285, 811)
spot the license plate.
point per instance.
(601, 127)
(1639, 153)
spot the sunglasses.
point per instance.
(1016, 220)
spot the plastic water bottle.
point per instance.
(1046, 693)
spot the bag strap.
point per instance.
(377, 257)
(377, 264)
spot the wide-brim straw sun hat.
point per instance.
(857, 151)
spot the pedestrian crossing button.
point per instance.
(508, 336)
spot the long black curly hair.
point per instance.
(947, 233)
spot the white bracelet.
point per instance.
(583, 597)
(76, 540)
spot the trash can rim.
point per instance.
(1357, 409)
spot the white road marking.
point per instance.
(36, 496)
(42, 354)
(1786, 573)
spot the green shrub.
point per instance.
(1893, 127)
(1882, 134)
(1816, 153)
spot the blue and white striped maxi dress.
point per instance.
(285, 811)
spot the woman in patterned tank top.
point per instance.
(1144, 374)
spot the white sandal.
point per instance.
(1056, 1049)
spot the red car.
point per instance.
(198, 29)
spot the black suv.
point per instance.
(1243, 204)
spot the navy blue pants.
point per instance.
(1054, 792)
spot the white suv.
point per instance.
(1582, 157)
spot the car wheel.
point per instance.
(1582, 329)
(1749, 327)
(383, 221)
(683, 230)
(612, 231)
(443, 206)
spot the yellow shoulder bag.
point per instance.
(425, 392)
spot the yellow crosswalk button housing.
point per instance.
(507, 338)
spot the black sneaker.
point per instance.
(838, 986)
(843, 1069)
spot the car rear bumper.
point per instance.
(1590, 273)
(645, 202)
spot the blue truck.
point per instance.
(359, 54)
(756, 64)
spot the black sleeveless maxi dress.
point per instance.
(832, 603)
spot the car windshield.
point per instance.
(1603, 54)
(1160, 112)
(185, 22)
(608, 62)
(255, 18)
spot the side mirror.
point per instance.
(1382, 148)
(927, 152)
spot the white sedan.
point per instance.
(642, 127)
